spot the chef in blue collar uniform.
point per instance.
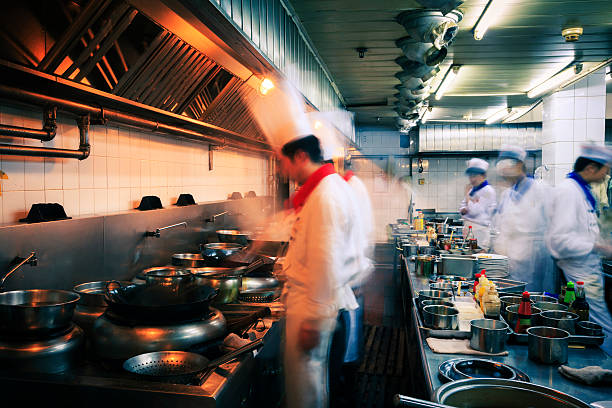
(574, 239)
(521, 221)
(479, 203)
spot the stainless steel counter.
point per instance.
(541, 374)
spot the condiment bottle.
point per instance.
(476, 281)
(524, 315)
(491, 303)
(482, 287)
(570, 294)
(580, 306)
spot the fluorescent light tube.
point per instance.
(499, 115)
(494, 9)
(426, 115)
(555, 81)
(447, 81)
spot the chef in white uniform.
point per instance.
(574, 239)
(324, 246)
(479, 203)
(521, 222)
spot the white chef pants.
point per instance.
(306, 373)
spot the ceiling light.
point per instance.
(426, 114)
(555, 81)
(520, 112)
(265, 86)
(447, 81)
(608, 74)
(490, 14)
(499, 115)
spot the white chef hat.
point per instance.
(280, 115)
(476, 166)
(331, 144)
(512, 152)
(597, 153)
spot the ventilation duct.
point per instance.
(408, 95)
(429, 26)
(444, 5)
(407, 116)
(410, 82)
(423, 53)
(406, 110)
(404, 123)
(417, 70)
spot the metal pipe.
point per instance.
(98, 112)
(157, 231)
(31, 260)
(46, 134)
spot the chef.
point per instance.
(521, 222)
(574, 238)
(324, 247)
(479, 203)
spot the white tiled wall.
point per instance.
(571, 117)
(124, 165)
(476, 137)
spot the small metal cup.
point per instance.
(548, 345)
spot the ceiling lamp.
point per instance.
(426, 114)
(499, 115)
(451, 74)
(490, 14)
(555, 81)
(608, 74)
(520, 112)
(265, 86)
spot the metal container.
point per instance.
(585, 328)
(458, 265)
(548, 345)
(426, 250)
(249, 283)
(512, 315)
(233, 236)
(435, 295)
(441, 317)
(424, 265)
(215, 253)
(167, 275)
(446, 286)
(543, 298)
(92, 303)
(36, 310)
(439, 302)
(488, 335)
(228, 287)
(560, 320)
(507, 301)
(544, 306)
(501, 393)
(188, 260)
(410, 250)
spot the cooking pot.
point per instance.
(36, 310)
(227, 285)
(188, 260)
(488, 335)
(92, 303)
(512, 315)
(233, 236)
(167, 275)
(544, 306)
(435, 295)
(410, 250)
(547, 345)
(560, 320)
(425, 265)
(215, 253)
(441, 317)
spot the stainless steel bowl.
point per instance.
(34, 310)
(167, 275)
(436, 302)
(544, 306)
(228, 287)
(188, 260)
(435, 294)
(560, 320)
(543, 298)
(548, 345)
(488, 335)
(209, 271)
(92, 303)
(441, 317)
(512, 315)
(445, 286)
(233, 236)
(215, 253)
(249, 283)
(589, 329)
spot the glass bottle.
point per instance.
(580, 306)
(491, 303)
(524, 315)
(570, 295)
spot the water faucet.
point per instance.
(157, 232)
(30, 260)
(214, 217)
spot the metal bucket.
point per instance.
(425, 265)
(548, 345)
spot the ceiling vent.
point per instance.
(410, 82)
(421, 52)
(429, 26)
(443, 5)
(417, 70)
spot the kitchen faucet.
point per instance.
(30, 260)
(157, 234)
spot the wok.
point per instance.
(215, 253)
(157, 302)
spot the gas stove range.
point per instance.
(105, 383)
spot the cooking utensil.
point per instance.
(448, 373)
(406, 401)
(499, 393)
(36, 310)
(560, 320)
(178, 366)
(479, 368)
(258, 295)
(167, 275)
(258, 283)
(435, 294)
(488, 335)
(439, 302)
(441, 317)
(512, 315)
(215, 253)
(544, 306)
(543, 298)
(410, 250)
(188, 260)
(233, 236)
(227, 286)
(424, 265)
(92, 303)
(589, 329)
(508, 285)
(446, 286)
(548, 345)
(459, 265)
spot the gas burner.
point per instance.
(114, 338)
(128, 321)
(37, 334)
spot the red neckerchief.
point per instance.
(308, 187)
(348, 175)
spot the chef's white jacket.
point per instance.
(480, 212)
(365, 218)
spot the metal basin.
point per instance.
(36, 310)
(188, 260)
(488, 335)
(480, 368)
(544, 306)
(589, 329)
(543, 298)
(249, 283)
(512, 315)
(436, 302)
(92, 303)
(441, 317)
(560, 320)
(233, 236)
(167, 275)
(215, 253)
(445, 286)
(435, 295)
(548, 345)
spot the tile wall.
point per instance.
(124, 165)
(475, 137)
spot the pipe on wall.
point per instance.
(100, 114)
(81, 154)
(46, 134)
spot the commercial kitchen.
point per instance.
(145, 200)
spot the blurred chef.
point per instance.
(479, 203)
(574, 238)
(521, 222)
(323, 247)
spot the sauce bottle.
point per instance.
(580, 306)
(524, 315)
(476, 281)
(570, 295)
(491, 303)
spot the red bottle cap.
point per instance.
(478, 275)
(525, 295)
(580, 283)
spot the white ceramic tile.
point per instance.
(548, 153)
(34, 197)
(562, 130)
(563, 152)
(71, 203)
(113, 200)
(563, 108)
(70, 133)
(112, 171)
(34, 175)
(134, 173)
(86, 201)
(98, 140)
(54, 196)
(13, 206)
(565, 93)
(14, 168)
(581, 87)
(53, 173)
(125, 166)
(70, 174)
(135, 196)
(580, 130)
(596, 83)
(145, 173)
(124, 143)
(125, 199)
(596, 107)
(100, 200)
(580, 107)
(596, 129)
(112, 142)
(100, 172)
(86, 173)
(33, 120)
